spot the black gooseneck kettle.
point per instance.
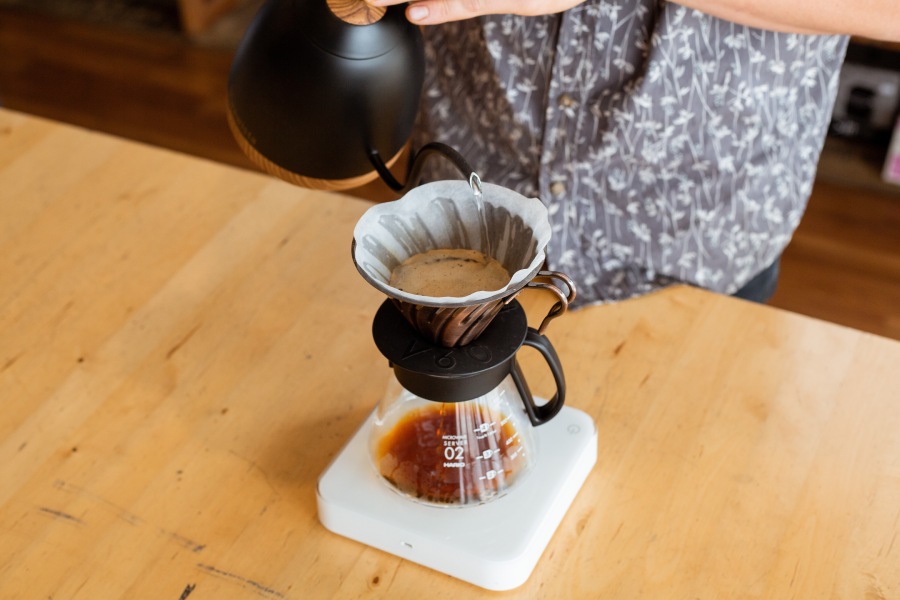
(324, 93)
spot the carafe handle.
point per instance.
(543, 413)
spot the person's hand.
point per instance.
(432, 12)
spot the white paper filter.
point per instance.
(445, 214)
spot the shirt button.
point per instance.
(566, 101)
(557, 188)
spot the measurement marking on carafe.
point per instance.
(490, 475)
(488, 454)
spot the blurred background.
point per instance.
(156, 71)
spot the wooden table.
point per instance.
(185, 346)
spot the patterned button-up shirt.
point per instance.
(669, 145)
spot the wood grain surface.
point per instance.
(184, 347)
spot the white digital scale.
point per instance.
(494, 545)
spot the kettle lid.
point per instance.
(327, 25)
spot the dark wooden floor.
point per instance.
(843, 264)
(165, 89)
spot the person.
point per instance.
(672, 142)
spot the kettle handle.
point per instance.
(539, 415)
(356, 12)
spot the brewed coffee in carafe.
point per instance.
(448, 453)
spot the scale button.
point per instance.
(573, 429)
